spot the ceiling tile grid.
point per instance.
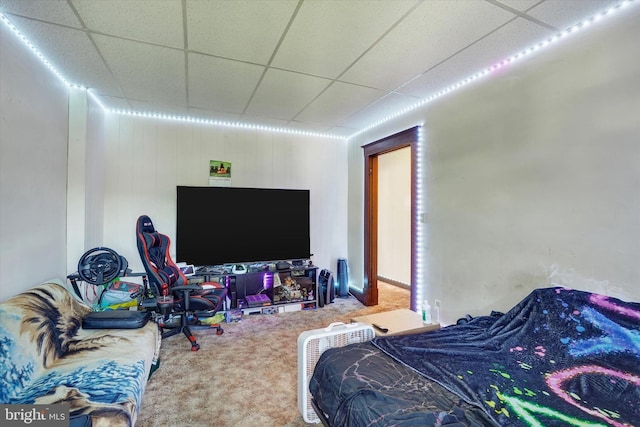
(56, 12)
(338, 101)
(432, 33)
(72, 53)
(564, 14)
(221, 85)
(488, 51)
(157, 22)
(521, 5)
(332, 66)
(283, 94)
(244, 30)
(145, 71)
(328, 36)
(382, 108)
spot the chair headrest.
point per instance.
(145, 225)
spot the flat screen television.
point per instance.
(224, 225)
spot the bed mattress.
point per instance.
(359, 385)
(558, 357)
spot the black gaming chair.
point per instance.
(165, 279)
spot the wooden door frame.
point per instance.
(406, 138)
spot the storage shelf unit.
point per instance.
(282, 290)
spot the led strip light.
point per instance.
(420, 223)
(35, 50)
(188, 119)
(508, 61)
(483, 73)
(238, 125)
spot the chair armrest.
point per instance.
(187, 288)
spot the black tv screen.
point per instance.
(222, 225)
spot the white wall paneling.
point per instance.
(147, 159)
(76, 177)
(95, 175)
(33, 169)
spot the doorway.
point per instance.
(407, 138)
(394, 218)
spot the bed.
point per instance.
(559, 357)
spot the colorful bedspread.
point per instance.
(559, 357)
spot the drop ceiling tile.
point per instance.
(562, 14)
(221, 84)
(245, 30)
(381, 109)
(433, 32)
(520, 5)
(508, 40)
(57, 12)
(71, 52)
(338, 101)
(145, 72)
(282, 94)
(158, 22)
(328, 36)
(114, 103)
(437, 44)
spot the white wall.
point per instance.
(121, 167)
(394, 216)
(95, 176)
(146, 159)
(33, 169)
(85, 176)
(533, 176)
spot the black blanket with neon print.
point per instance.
(559, 357)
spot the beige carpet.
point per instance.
(248, 376)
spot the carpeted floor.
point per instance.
(248, 376)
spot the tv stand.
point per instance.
(293, 289)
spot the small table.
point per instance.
(396, 322)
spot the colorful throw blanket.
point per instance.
(46, 358)
(560, 357)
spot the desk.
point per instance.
(397, 322)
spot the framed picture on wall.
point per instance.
(219, 173)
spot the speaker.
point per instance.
(233, 291)
(343, 278)
(326, 285)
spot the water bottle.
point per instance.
(426, 312)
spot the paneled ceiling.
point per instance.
(328, 66)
